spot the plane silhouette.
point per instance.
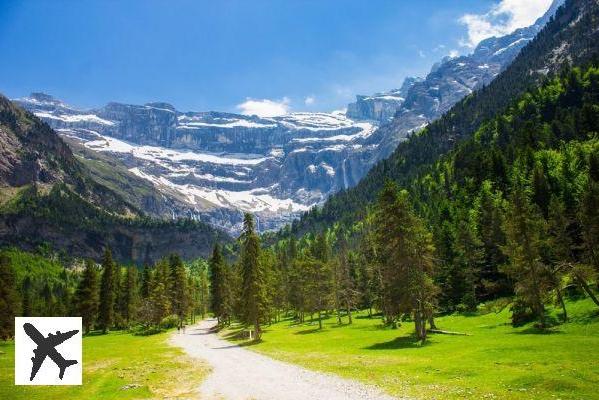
(46, 348)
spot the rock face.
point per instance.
(380, 107)
(220, 164)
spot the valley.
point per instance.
(436, 238)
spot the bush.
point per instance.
(521, 313)
(169, 322)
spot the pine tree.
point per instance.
(159, 297)
(178, 288)
(130, 292)
(146, 282)
(406, 253)
(219, 290)
(119, 299)
(87, 296)
(525, 229)
(254, 292)
(27, 297)
(560, 247)
(346, 286)
(589, 220)
(468, 259)
(489, 225)
(107, 292)
(9, 300)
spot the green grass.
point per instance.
(109, 363)
(496, 361)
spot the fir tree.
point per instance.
(254, 292)
(9, 300)
(87, 293)
(525, 229)
(130, 292)
(107, 292)
(178, 287)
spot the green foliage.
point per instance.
(107, 292)
(9, 301)
(254, 278)
(87, 296)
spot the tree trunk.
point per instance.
(560, 298)
(257, 329)
(319, 320)
(587, 289)
(349, 314)
(431, 321)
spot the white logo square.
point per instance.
(48, 351)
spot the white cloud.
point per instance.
(264, 107)
(421, 54)
(503, 18)
(309, 100)
(453, 53)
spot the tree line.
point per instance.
(107, 296)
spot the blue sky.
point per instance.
(237, 55)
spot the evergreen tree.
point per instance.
(589, 220)
(9, 300)
(146, 278)
(525, 229)
(87, 296)
(130, 292)
(159, 296)
(254, 291)
(107, 292)
(178, 288)
(27, 297)
(560, 249)
(345, 284)
(406, 253)
(219, 290)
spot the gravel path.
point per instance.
(241, 374)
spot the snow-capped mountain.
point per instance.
(448, 82)
(213, 165)
(221, 164)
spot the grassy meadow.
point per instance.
(115, 366)
(495, 360)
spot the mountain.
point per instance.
(380, 107)
(49, 196)
(570, 38)
(449, 81)
(216, 165)
(213, 166)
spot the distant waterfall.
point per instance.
(345, 184)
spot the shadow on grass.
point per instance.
(403, 342)
(308, 331)
(533, 330)
(373, 316)
(248, 343)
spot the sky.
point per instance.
(266, 57)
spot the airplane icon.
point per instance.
(46, 347)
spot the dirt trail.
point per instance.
(241, 374)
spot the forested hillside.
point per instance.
(49, 197)
(570, 37)
(512, 211)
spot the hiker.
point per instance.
(178, 328)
